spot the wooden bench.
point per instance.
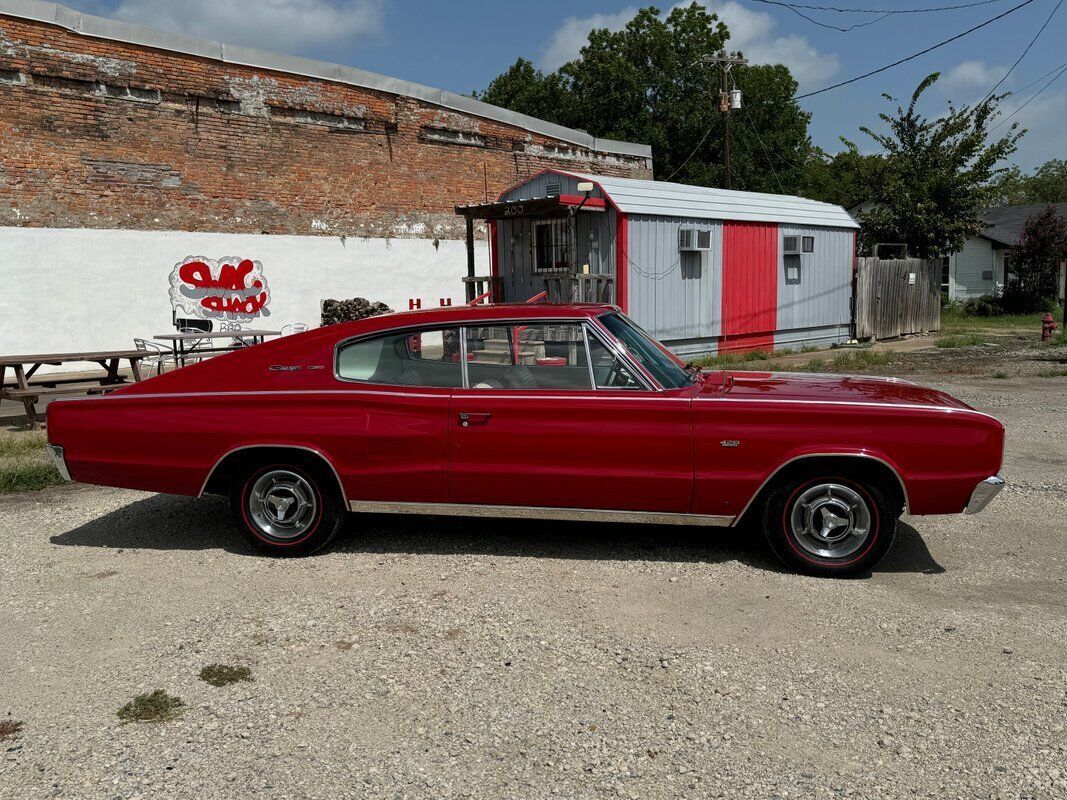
(28, 393)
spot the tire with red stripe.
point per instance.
(830, 526)
(286, 509)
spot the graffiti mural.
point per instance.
(233, 289)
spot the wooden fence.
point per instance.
(895, 297)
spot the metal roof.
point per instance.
(659, 198)
(114, 30)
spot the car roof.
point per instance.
(452, 315)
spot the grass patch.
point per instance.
(955, 321)
(155, 707)
(860, 359)
(224, 674)
(14, 445)
(735, 358)
(10, 729)
(1052, 373)
(24, 466)
(1000, 375)
(961, 340)
(28, 476)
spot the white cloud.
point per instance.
(970, 78)
(752, 32)
(290, 25)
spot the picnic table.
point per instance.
(187, 343)
(29, 393)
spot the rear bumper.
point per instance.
(983, 494)
(55, 452)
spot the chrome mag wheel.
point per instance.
(282, 504)
(830, 520)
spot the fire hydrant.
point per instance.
(1048, 328)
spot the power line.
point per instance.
(688, 157)
(878, 10)
(1032, 98)
(752, 128)
(916, 55)
(1027, 50)
(1038, 80)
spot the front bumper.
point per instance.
(55, 452)
(983, 494)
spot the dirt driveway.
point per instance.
(438, 658)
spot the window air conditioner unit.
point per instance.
(693, 240)
(791, 245)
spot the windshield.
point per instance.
(649, 353)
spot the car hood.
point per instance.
(826, 388)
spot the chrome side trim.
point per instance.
(55, 452)
(862, 403)
(540, 512)
(312, 450)
(794, 459)
(984, 493)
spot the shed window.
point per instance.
(551, 246)
(808, 244)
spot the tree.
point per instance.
(934, 181)
(1048, 184)
(650, 82)
(1035, 262)
(844, 179)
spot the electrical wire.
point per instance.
(752, 129)
(703, 139)
(1027, 50)
(916, 55)
(1033, 97)
(878, 10)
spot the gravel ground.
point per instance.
(441, 657)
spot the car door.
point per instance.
(532, 429)
(389, 428)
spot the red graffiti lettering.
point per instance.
(198, 274)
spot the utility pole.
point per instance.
(728, 101)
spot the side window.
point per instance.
(419, 358)
(608, 371)
(534, 356)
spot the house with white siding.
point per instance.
(983, 265)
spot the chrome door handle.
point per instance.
(468, 418)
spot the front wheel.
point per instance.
(285, 510)
(829, 526)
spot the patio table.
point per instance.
(185, 343)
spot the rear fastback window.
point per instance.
(413, 358)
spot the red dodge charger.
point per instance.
(551, 411)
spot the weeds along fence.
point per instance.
(895, 297)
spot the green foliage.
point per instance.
(155, 707)
(844, 179)
(651, 83)
(223, 674)
(1047, 184)
(930, 188)
(1035, 263)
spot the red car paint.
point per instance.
(651, 450)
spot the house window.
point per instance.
(551, 246)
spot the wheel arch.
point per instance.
(806, 463)
(225, 466)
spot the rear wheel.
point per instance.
(830, 526)
(285, 510)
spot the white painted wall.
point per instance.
(66, 289)
(967, 266)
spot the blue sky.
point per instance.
(461, 44)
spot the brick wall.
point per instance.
(103, 134)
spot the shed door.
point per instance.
(749, 285)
